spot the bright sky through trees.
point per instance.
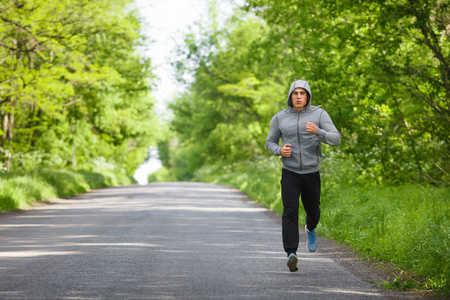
(165, 22)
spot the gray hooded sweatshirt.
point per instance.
(290, 126)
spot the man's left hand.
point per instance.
(311, 127)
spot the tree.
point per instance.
(220, 119)
(382, 67)
(72, 82)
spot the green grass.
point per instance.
(19, 190)
(407, 226)
(22, 191)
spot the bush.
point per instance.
(161, 175)
(259, 178)
(22, 191)
(66, 182)
(18, 190)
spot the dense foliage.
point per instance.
(380, 68)
(74, 90)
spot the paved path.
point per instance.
(161, 241)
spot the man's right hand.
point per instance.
(285, 151)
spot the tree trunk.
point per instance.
(10, 127)
(74, 156)
(4, 127)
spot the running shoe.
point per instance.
(311, 243)
(292, 263)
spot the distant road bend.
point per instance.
(162, 241)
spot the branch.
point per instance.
(6, 81)
(6, 100)
(17, 24)
(426, 33)
(72, 102)
(441, 169)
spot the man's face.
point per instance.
(299, 98)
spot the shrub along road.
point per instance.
(162, 241)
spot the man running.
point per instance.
(302, 128)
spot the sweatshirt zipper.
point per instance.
(299, 144)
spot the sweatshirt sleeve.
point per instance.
(273, 137)
(327, 133)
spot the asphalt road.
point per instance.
(162, 241)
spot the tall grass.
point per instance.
(20, 189)
(408, 225)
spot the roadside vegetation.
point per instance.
(19, 190)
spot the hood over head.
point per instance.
(299, 84)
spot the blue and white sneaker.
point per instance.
(292, 262)
(311, 243)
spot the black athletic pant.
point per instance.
(292, 186)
